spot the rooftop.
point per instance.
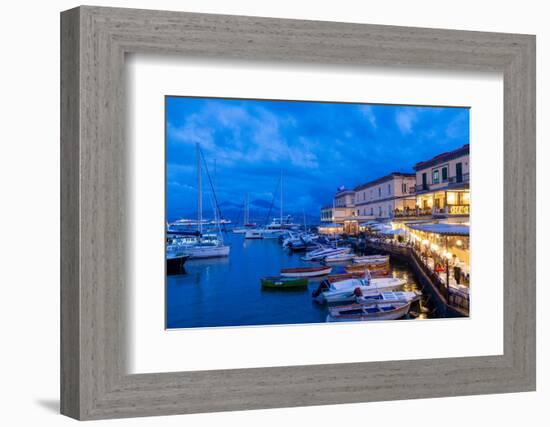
(384, 179)
(447, 155)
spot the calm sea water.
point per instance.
(227, 292)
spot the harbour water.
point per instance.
(227, 291)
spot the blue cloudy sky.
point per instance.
(318, 146)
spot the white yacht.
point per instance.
(204, 245)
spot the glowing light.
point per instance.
(459, 242)
(425, 242)
(434, 247)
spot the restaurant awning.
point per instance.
(444, 229)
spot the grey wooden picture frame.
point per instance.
(94, 42)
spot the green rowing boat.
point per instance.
(284, 282)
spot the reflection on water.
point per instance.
(227, 291)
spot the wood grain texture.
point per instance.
(94, 238)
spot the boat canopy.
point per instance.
(444, 229)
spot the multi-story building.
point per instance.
(383, 198)
(443, 184)
(386, 197)
(342, 211)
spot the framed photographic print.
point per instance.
(263, 213)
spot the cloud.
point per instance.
(368, 112)
(318, 146)
(405, 118)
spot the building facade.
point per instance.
(342, 212)
(383, 198)
(386, 197)
(443, 184)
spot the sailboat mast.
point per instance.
(281, 213)
(246, 210)
(199, 189)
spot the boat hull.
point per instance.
(304, 272)
(348, 295)
(253, 235)
(284, 282)
(198, 252)
(383, 311)
(323, 254)
(175, 264)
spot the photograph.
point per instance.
(282, 212)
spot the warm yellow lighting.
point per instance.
(434, 247)
(459, 242)
(451, 198)
(448, 255)
(425, 242)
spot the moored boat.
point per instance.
(323, 252)
(340, 257)
(372, 259)
(175, 261)
(253, 234)
(284, 282)
(360, 312)
(208, 251)
(306, 271)
(348, 290)
(390, 297)
(367, 266)
(331, 278)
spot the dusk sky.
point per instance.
(318, 147)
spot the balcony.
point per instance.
(450, 210)
(452, 182)
(412, 212)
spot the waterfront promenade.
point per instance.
(430, 281)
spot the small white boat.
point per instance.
(372, 259)
(341, 257)
(390, 297)
(348, 290)
(360, 312)
(306, 271)
(253, 234)
(271, 234)
(321, 253)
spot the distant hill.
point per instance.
(259, 210)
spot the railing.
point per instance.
(464, 178)
(408, 212)
(452, 299)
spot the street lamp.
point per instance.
(448, 256)
(425, 242)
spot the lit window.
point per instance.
(435, 176)
(451, 198)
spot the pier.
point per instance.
(427, 279)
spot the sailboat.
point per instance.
(211, 245)
(278, 225)
(247, 225)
